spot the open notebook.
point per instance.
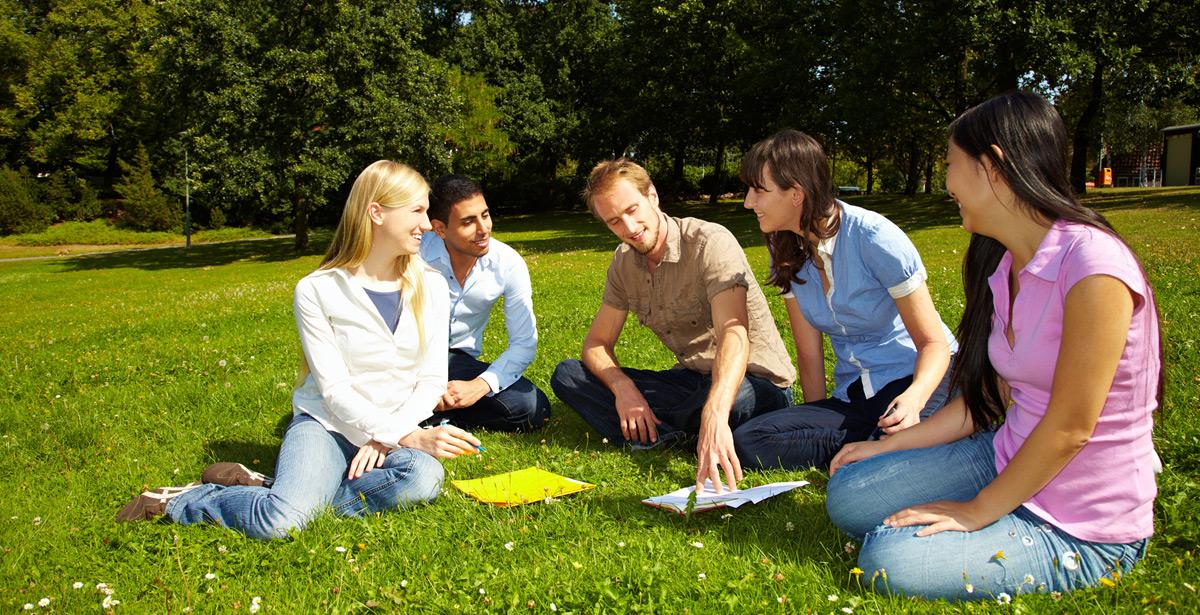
(677, 501)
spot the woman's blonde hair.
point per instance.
(391, 184)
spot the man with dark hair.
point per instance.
(479, 269)
(689, 282)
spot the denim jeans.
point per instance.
(1019, 553)
(310, 475)
(520, 407)
(676, 396)
(810, 435)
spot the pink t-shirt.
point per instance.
(1106, 492)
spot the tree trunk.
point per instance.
(870, 173)
(112, 169)
(300, 218)
(677, 174)
(1083, 129)
(929, 174)
(718, 175)
(914, 171)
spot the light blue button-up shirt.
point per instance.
(499, 273)
(870, 263)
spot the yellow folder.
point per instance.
(520, 487)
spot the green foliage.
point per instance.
(481, 148)
(71, 197)
(20, 209)
(279, 104)
(145, 207)
(297, 98)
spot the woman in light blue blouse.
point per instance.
(851, 274)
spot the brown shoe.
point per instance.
(152, 504)
(233, 474)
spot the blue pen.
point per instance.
(447, 422)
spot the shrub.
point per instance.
(216, 218)
(70, 197)
(20, 211)
(146, 208)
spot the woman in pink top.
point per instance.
(1040, 477)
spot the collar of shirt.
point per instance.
(435, 253)
(671, 254)
(1047, 261)
(1045, 264)
(825, 247)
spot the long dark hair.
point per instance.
(794, 159)
(1033, 139)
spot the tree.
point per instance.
(20, 210)
(82, 99)
(282, 103)
(145, 207)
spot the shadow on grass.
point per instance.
(276, 249)
(574, 231)
(258, 456)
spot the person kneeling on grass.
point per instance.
(1060, 355)
(372, 322)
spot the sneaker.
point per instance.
(152, 504)
(233, 474)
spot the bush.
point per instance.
(146, 208)
(71, 198)
(20, 210)
(216, 218)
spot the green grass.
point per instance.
(100, 235)
(138, 369)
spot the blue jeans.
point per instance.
(810, 435)
(1019, 553)
(520, 407)
(310, 475)
(676, 396)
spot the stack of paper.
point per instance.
(677, 501)
(520, 487)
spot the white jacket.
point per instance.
(365, 382)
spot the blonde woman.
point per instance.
(372, 321)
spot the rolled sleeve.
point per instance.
(725, 264)
(892, 259)
(614, 287)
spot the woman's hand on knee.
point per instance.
(443, 441)
(941, 516)
(855, 451)
(370, 456)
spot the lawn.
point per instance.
(137, 369)
(68, 238)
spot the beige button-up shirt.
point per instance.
(702, 259)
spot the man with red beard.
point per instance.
(689, 282)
